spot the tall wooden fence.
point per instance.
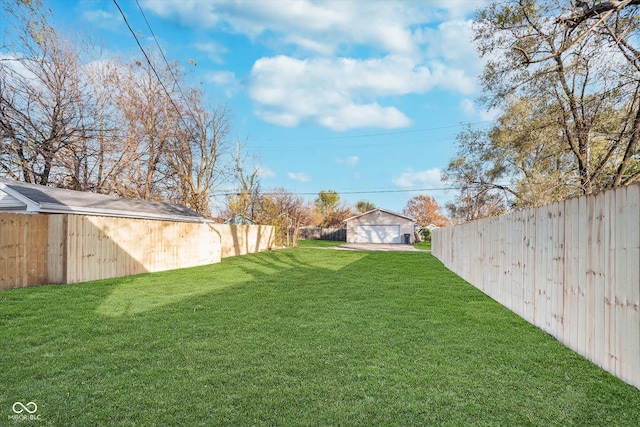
(320, 233)
(23, 250)
(39, 249)
(571, 268)
(243, 239)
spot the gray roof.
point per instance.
(380, 210)
(23, 197)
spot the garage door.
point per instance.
(379, 234)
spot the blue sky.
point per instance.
(361, 97)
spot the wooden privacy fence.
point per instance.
(244, 239)
(39, 249)
(571, 268)
(320, 233)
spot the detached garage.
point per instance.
(380, 226)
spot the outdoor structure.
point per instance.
(52, 235)
(571, 268)
(380, 226)
(323, 233)
(239, 220)
(22, 197)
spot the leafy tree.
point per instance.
(519, 163)
(364, 206)
(327, 202)
(328, 205)
(577, 67)
(286, 212)
(425, 210)
(476, 178)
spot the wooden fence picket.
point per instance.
(572, 268)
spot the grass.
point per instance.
(293, 337)
(423, 245)
(319, 243)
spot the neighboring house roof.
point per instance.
(22, 197)
(239, 220)
(380, 210)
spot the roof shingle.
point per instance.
(58, 200)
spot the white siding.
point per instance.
(383, 219)
(379, 234)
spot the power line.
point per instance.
(375, 134)
(350, 146)
(155, 39)
(383, 144)
(164, 88)
(405, 190)
(231, 193)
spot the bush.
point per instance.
(425, 234)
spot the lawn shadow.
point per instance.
(294, 337)
(139, 294)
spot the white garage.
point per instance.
(380, 226)
(379, 234)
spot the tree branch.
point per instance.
(563, 48)
(586, 13)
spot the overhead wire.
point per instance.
(299, 142)
(350, 146)
(155, 39)
(155, 72)
(387, 133)
(336, 137)
(260, 148)
(306, 193)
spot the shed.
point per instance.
(380, 226)
(29, 198)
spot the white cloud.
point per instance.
(213, 50)
(338, 93)
(299, 176)
(411, 178)
(13, 63)
(451, 55)
(226, 79)
(322, 75)
(319, 27)
(351, 161)
(469, 108)
(102, 19)
(223, 78)
(265, 172)
(353, 116)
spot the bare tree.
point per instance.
(246, 198)
(91, 123)
(95, 162)
(196, 158)
(151, 118)
(40, 99)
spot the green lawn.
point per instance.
(423, 245)
(319, 243)
(293, 337)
